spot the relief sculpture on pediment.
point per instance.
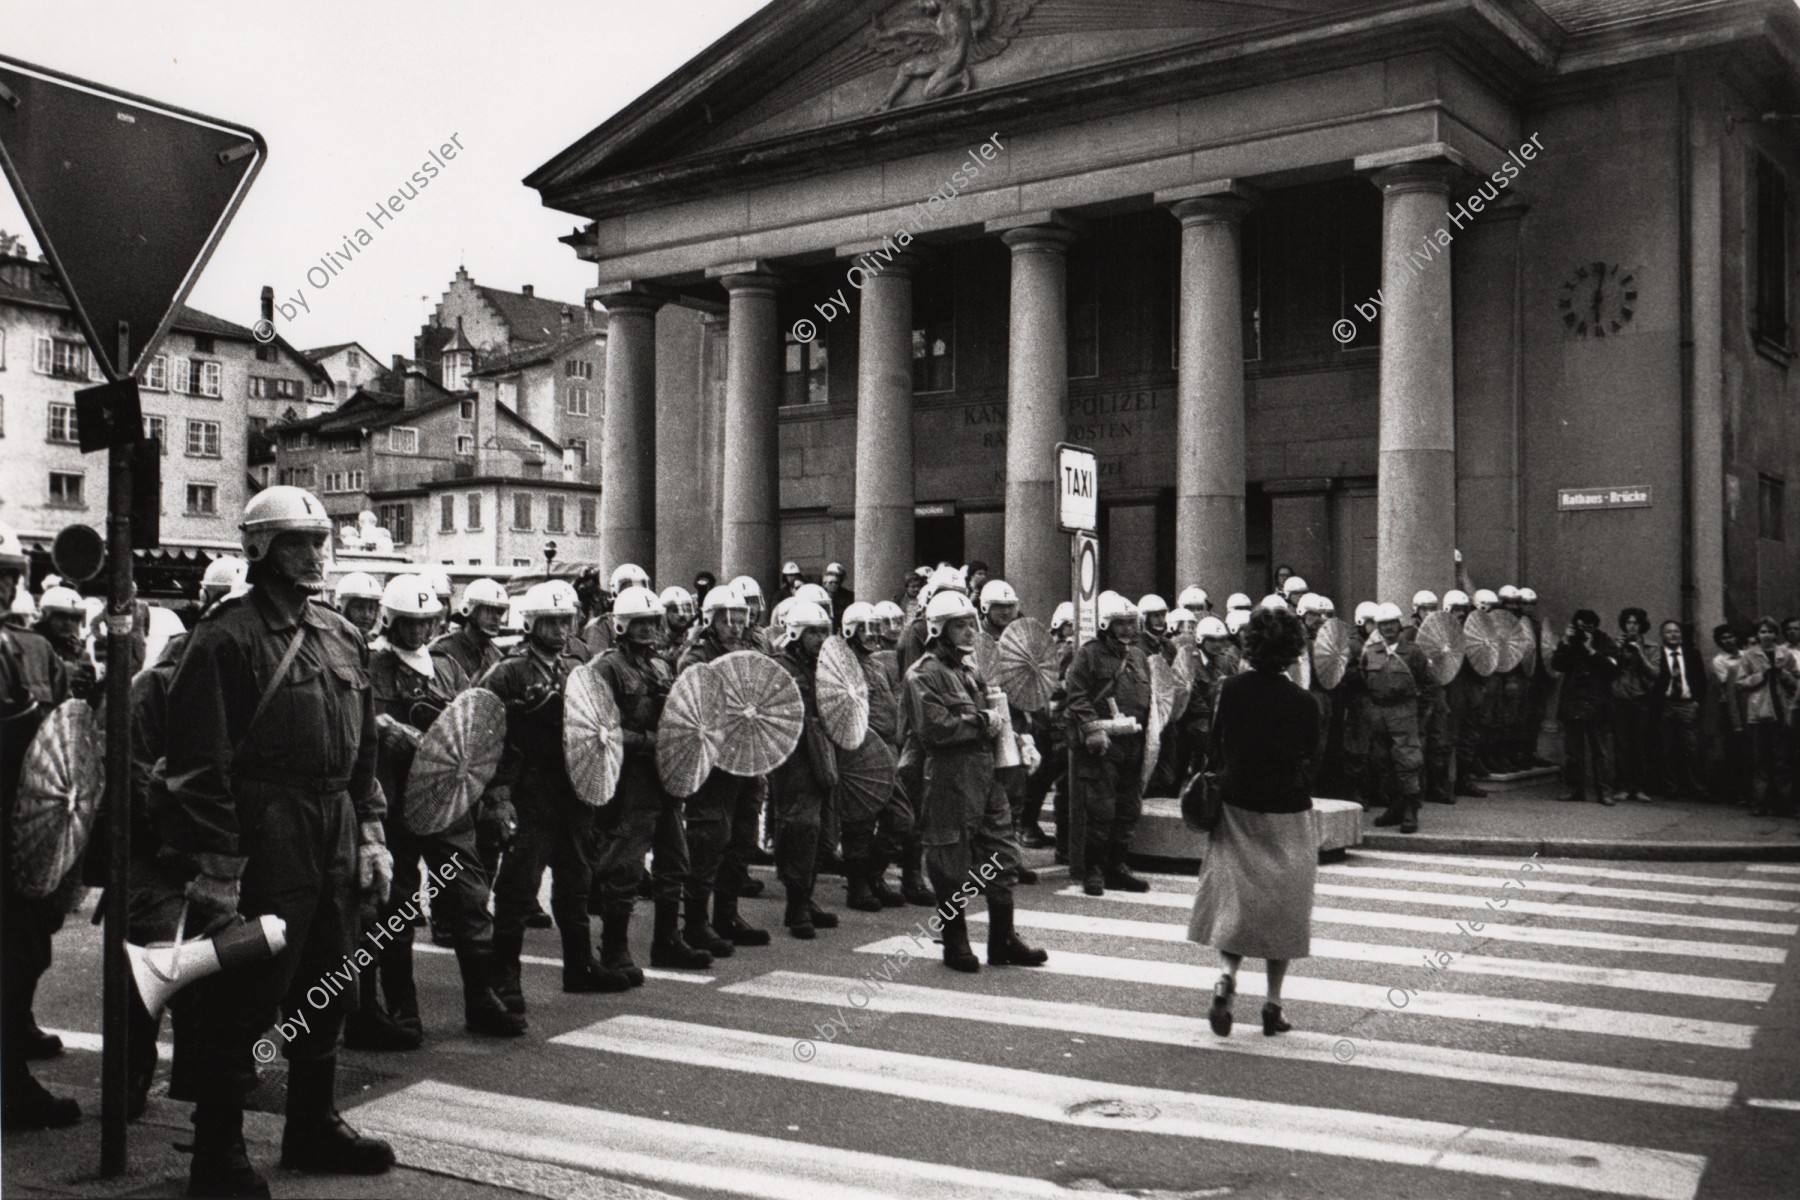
(939, 40)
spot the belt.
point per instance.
(322, 784)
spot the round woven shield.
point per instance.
(1483, 638)
(1525, 641)
(593, 745)
(456, 759)
(1162, 703)
(986, 657)
(1181, 671)
(843, 694)
(687, 737)
(1331, 652)
(1025, 666)
(1546, 649)
(1441, 640)
(60, 788)
(1507, 625)
(763, 713)
(865, 779)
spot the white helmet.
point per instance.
(1312, 602)
(678, 599)
(62, 599)
(23, 605)
(859, 616)
(634, 602)
(1294, 584)
(800, 616)
(1509, 592)
(1212, 627)
(1064, 615)
(887, 610)
(790, 568)
(1236, 619)
(278, 510)
(552, 598)
(409, 596)
(815, 594)
(628, 575)
(482, 593)
(1327, 606)
(947, 605)
(1484, 599)
(12, 552)
(228, 572)
(1272, 600)
(944, 577)
(439, 581)
(357, 585)
(1387, 612)
(1455, 598)
(1182, 620)
(997, 591)
(832, 569)
(1114, 607)
(722, 596)
(1423, 599)
(1366, 611)
(1152, 603)
(1236, 602)
(780, 613)
(748, 588)
(1193, 598)
(1527, 596)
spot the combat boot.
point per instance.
(615, 946)
(880, 887)
(1004, 947)
(28, 1105)
(315, 1138)
(798, 917)
(822, 918)
(507, 948)
(912, 879)
(858, 894)
(958, 955)
(397, 985)
(727, 922)
(668, 948)
(369, 1027)
(221, 1165)
(483, 1011)
(699, 934)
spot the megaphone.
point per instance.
(161, 971)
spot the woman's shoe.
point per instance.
(1219, 1015)
(1272, 1022)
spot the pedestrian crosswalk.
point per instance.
(1586, 1037)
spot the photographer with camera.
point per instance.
(1588, 660)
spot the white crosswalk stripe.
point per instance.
(1593, 1008)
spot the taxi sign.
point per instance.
(1077, 489)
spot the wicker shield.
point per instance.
(1441, 638)
(1510, 652)
(986, 657)
(865, 779)
(1525, 642)
(1331, 652)
(843, 694)
(1546, 649)
(687, 737)
(593, 745)
(60, 788)
(1025, 666)
(1483, 638)
(763, 713)
(456, 759)
(1162, 703)
(1181, 671)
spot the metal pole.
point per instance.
(120, 604)
(1077, 810)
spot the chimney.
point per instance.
(268, 305)
(410, 392)
(568, 318)
(528, 292)
(400, 365)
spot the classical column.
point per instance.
(628, 439)
(884, 435)
(684, 511)
(1209, 416)
(750, 531)
(1037, 406)
(1415, 533)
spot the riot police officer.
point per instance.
(358, 597)
(876, 836)
(1109, 677)
(598, 635)
(800, 788)
(1395, 672)
(482, 613)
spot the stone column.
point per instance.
(1037, 407)
(884, 434)
(628, 445)
(684, 512)
(750, 531)
(1209, 417)
(1416, 510)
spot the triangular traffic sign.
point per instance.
(128, 197)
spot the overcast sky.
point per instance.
(351, 97)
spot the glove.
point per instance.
(374, 865)
(991, 721)
(1097, 742)
(212, 904)
(1028, 752)
(498, 820)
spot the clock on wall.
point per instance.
(1598, 300)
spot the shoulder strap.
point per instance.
(268, 694)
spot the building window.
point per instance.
(210, 375)
(446, 514)
(158, 428)
(265, 475)
(343, 391)
(397, 520)
(466, 410)
(403, 439)
(576, 369)
(352, 359)
(579, 448)
(553, 514)
(578, 400)
(203, 343)
(590, 515)
(933, 332)
(62, 424)
(181, 378)
(522, 511)
(65, 489)
(264, 387)
(156, 374)
(1771, 252)
(804, 379)
(266, 354)
(1083, 312)
(474, 510)
(60, 357)
(298, 476)
(465, 445)
(521, 562)
(203, 439)
(320, 389)
(1769, 496)
(202, 500)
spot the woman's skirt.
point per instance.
(1256, 885)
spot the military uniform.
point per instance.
(1436, 735)
(471, 651)
(798, 792)
(642, 815)
(878, 834)
(722, 819)
(474, 655)
(1395, 678)
(1109, 784)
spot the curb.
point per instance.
(1586, 848)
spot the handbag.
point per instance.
(1202, 801)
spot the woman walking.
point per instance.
(1256, 881)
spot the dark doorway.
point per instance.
(938, 539)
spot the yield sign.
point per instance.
(128, 197)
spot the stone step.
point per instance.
(1161, 833)
(1517, 781)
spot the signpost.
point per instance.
(1580, 499)
(128, 198)
(1078, 514)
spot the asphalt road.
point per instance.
(1591, 1029)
